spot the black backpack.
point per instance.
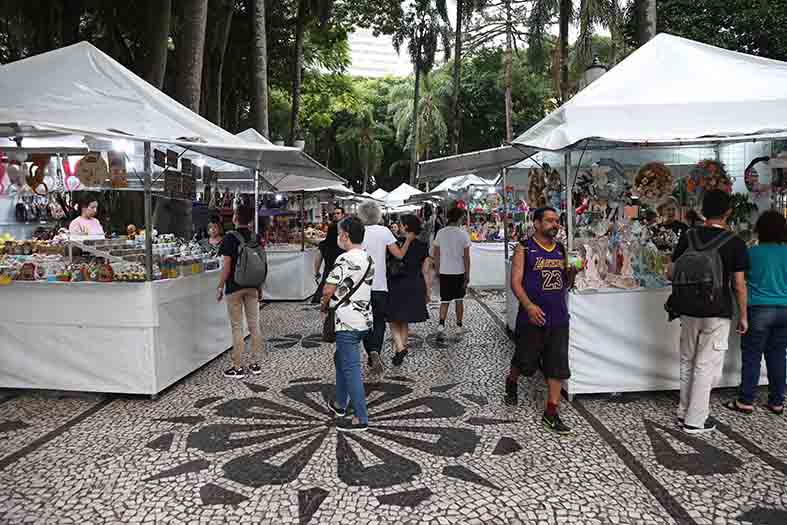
(698, 283)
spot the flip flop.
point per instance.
(774, 410)
(733, 405)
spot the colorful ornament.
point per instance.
(653, 183)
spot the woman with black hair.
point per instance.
(86, 223)
(767, 283)
(410, 290)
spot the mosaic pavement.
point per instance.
(443, 448)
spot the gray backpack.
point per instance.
(251, 268)
(698, 284)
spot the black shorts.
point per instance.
(452, 287)
(541, 348)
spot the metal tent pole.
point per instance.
(505, 214)
(256, 202)
(303, 227)
(148, 185)
(569, 205)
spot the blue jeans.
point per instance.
(767, 335)
(349, 382)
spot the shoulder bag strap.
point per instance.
(355, 288)
(240, 239)
(717, 242)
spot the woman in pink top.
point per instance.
(86, 223)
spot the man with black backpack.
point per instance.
(708, 264)
(244, 273)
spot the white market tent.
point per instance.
(90, 94)
(462, 182)
(671, 91)
(400, 195)
(483, 163)
(379, 194)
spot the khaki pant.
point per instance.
(703, 343)
(244, 299)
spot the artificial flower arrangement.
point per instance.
(709, 175)
(653, 182)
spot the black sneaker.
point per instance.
(235, 373)
(398, 358)
(708, 426)
(375, 363)
(512, 397)
(349, 426)
(340, 412)
(555, 424)
(255, 369)
(680, 421)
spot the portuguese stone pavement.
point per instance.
(442, 448)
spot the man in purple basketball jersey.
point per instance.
(540, 280)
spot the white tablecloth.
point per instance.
(290, 275)
(487, 265)
(620, 341)
(132, 338)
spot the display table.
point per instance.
(290, 274)
(620, 341)
(131, 338)
(487, 265)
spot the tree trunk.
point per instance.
(650, 18)
(414, 138)
(218, 34)
(190, 51)
(508, 57)
(457, 76)
(297, 78)
(157, 41)
(72, 16)
(565, 18)
(259, 99)
(365, 178)
(646, 20)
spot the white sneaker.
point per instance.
(440, 331)
(460, 331)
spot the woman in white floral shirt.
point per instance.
(348, 290)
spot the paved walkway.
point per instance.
(444, 449)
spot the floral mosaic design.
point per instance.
(280, 439)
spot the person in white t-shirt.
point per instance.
(451, 255)
(378, 242)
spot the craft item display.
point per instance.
(707, 175)
(117, 170)
(537, 185)
(92, 170)
(39, 171)
(653, 183)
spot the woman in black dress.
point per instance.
(410, 290)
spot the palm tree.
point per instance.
(428, 132)
(361, 144)
(464, 11)
(321, 10)
(423, 25)
(190, 52)
(259, 98)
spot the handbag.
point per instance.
(329, 325)
(394, 267)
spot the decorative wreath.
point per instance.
(653, 182)
(709, 175)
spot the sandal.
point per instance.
(735, 407)
(774, 410)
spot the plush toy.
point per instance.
(39, 171)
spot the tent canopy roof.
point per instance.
(484, 163)
(379, 194)
(93, 95)
(462, 182)
(398, 196)
(671, 91)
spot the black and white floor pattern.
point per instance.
(442, 449)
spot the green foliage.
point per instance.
(432, 110)
(749, 26)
